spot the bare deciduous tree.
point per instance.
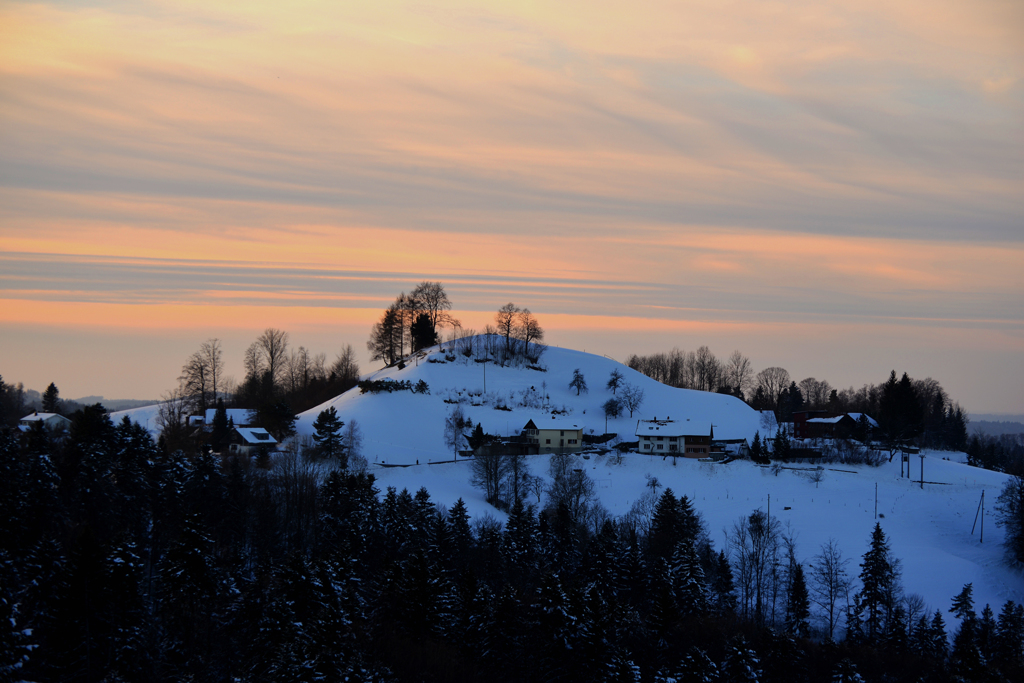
(707, 369)
(346, 367)
(815, 392)
(171, 417)
(201, 376)
(830, 583)
(505, 319)
(632, 397)
(528, 329)
(571, 486)
(431, 299)
(739, 373)
(755, 543)
(454, 434)
(272, 351)
(773, 380)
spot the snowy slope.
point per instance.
(145, 416)
(402, 427)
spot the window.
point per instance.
(561, 433)
(647, 446)
(672, 439)
(572, 441)
(661, 446)
(660, 438)
(547, 440)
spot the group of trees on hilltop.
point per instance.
(122, 561)
(413, 321)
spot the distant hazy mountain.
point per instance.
(113, 404)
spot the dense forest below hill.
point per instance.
(120, 561)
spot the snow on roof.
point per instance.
(255, 435)
(554, 423)
(871, 420)
(827, 420)
(37, 417)
(670, 428)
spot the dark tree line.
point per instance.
(280, 381)
(909, 411)
(122, 562)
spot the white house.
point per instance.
(674, 437)
(51, 421)
(554, 436)
(246, 440)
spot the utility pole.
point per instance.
(876, 498)
(922, 471)
(981, 512)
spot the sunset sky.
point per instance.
(833, 187)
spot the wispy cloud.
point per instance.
(688, 168)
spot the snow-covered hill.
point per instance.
(929, 529)
(403, 427)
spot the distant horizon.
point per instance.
(371, 368)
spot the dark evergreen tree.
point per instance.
(461, 535)
(191, 586)
(781, 445)
(422, 333)
(879, 577)
(695, 667)
(797, 603)
(688, 582)
(741, 664)
(938, 640)
(757, 450)
(519, 544)
(665, 527)
(1010, 638)
(987, 633)
(846, 672)
(723, 586)
(51, 399)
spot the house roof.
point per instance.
(658, 427)
(871, 420)
(838, 418)
(43, 417)
(255, 435)
(561, 425)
